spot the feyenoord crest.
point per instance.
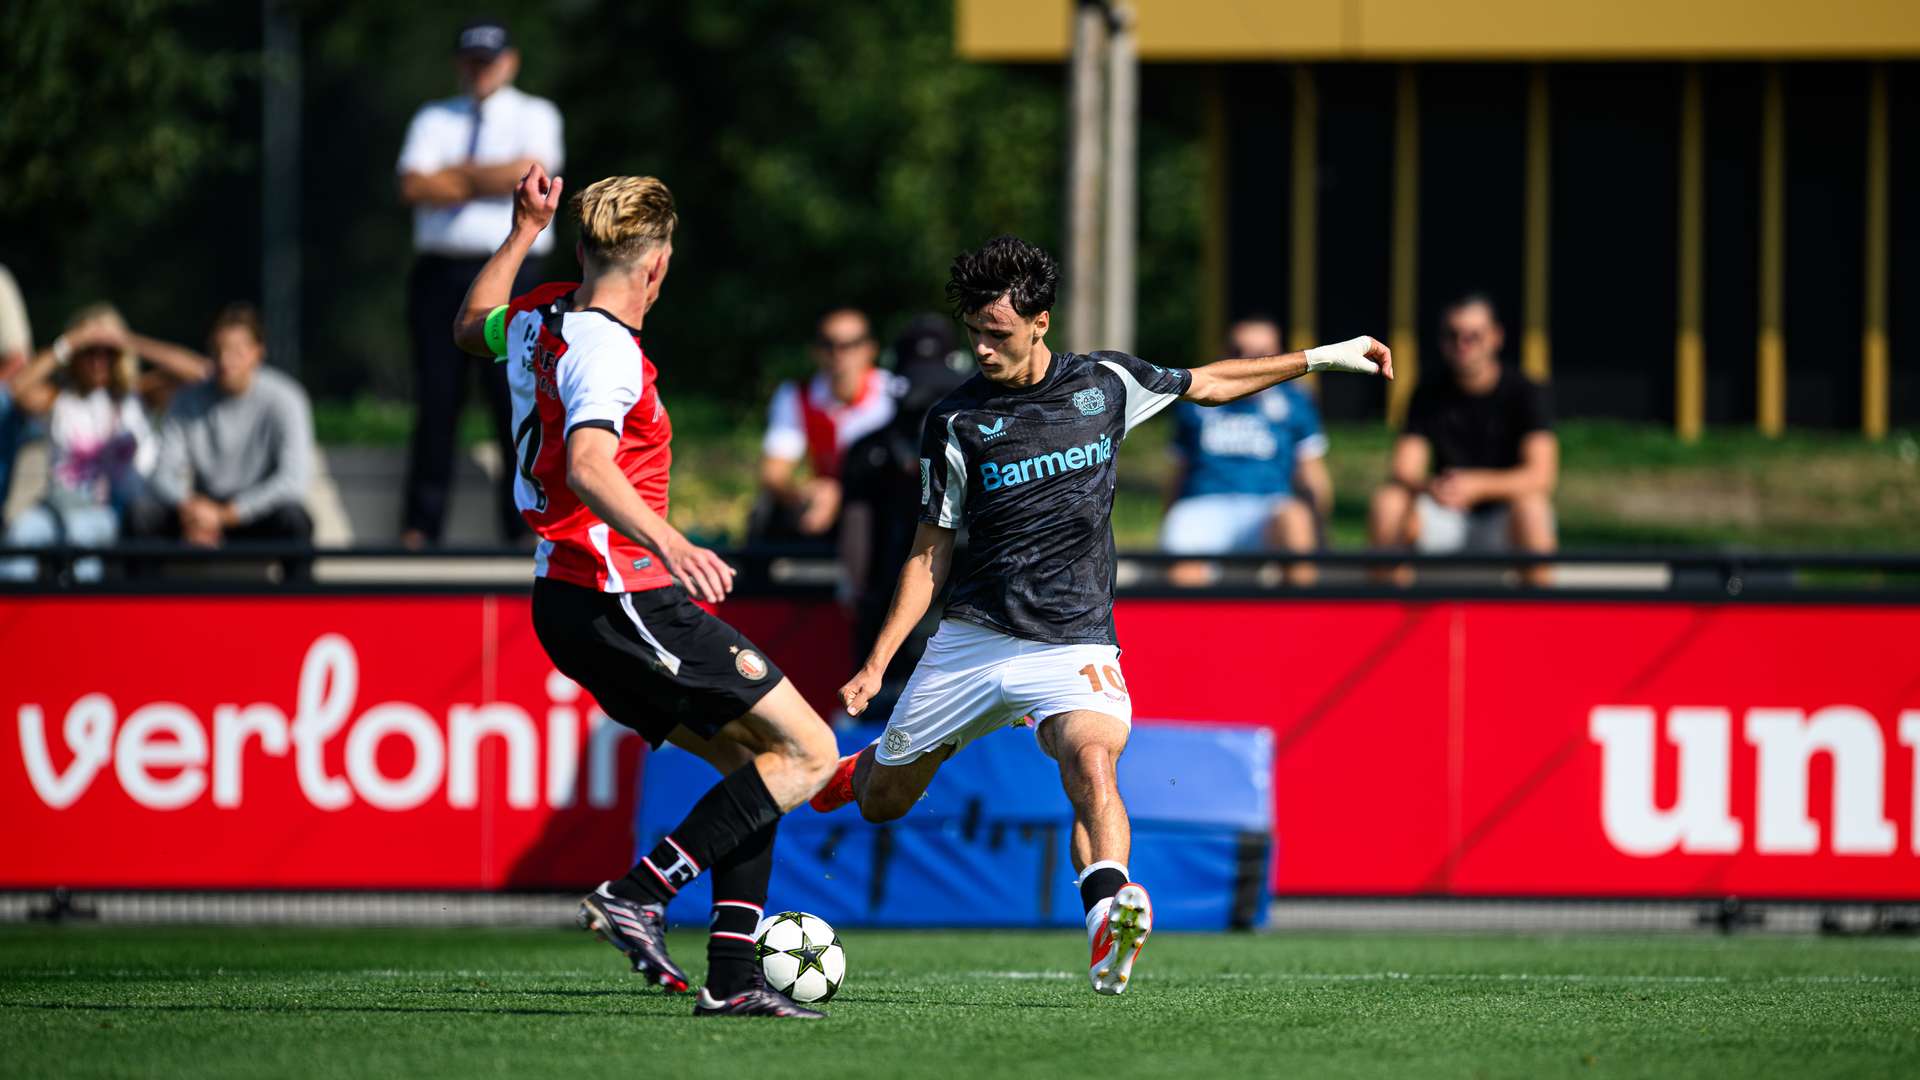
(1090, 401)
(897, 741)
(751, 665)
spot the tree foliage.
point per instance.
(821, 152)
(115, 115)
(110, 105)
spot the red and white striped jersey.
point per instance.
(806, 420)
(569, 368)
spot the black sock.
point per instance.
(730, 812)
(1100, 881)
(739, 900)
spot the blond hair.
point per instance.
(124, 376)
(622, 217)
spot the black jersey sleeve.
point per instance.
(943, 472)
(1149, 387)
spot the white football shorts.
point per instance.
(973, 680)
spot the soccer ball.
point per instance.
(801, 956)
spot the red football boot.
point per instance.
(839, 790)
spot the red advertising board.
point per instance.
(1525, 748)
(320, 742)
(1576, 749)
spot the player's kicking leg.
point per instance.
(772, 759)
(952, 698)
(1087, 746)
(659, 664)
(883, 792)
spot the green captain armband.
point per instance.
(496, 331)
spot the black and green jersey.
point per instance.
(1030, 472)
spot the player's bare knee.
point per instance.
(1092, 765)
(812, 754)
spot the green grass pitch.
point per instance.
(211, 1002)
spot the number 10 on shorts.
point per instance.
(1093, 674)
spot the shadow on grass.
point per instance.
(292, 1010)
(951, 1003)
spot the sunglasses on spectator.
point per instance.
(841, 344)
(1465, 337)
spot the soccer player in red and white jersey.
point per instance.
(614, 583)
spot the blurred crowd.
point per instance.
(153, 441)
(147, 440)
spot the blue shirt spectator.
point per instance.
(1251, 475)
(1247, 447)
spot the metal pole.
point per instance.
(1403, 318)
(1083, 182)
(1213, 237)
(280, 183)
(1536, 345)
(1123, 132)
(1874, 375)
(1302, 325)
(1771, 410)
(1690, 358)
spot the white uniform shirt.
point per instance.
(512, 125)
(786, 437)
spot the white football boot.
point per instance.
(1117, 929)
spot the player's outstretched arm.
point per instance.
(593, 476)
(534, 202)
(920, 581)
(1230, 380)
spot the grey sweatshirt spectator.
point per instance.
(253, 451)
(236, 452)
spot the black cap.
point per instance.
(926, 356)
(484, 37)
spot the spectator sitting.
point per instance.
(16, 345)
(236, 451)
(1252, 474)
(1476, 463)
(99, 441)
(880, 477)
(815, 421)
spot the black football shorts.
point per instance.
(653, 660)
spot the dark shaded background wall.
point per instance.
(1615, 177)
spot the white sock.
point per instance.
(1097, 916)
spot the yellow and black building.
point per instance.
(1692, 211)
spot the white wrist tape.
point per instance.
(1349, 356)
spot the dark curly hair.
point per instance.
(1003, 266)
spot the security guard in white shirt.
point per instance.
(462, 158)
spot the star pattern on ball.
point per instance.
(809, 957)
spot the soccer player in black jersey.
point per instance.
(1022, 454)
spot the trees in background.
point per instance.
(821, 152)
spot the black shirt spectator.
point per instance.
(1478, 431)
(1476, 463)
(880, 482)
